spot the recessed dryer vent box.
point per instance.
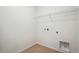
(64, 46)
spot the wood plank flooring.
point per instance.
(39, 49)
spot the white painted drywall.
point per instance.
(17, 28)
(65, 23)
(78, 32)
(54, 9)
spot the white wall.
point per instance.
(78, 32)
(64, 22)
(49, 9)
(17, 28)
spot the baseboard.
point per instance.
(50, 47)
(20, 51)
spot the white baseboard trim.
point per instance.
(50, 47)
(26, 48)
